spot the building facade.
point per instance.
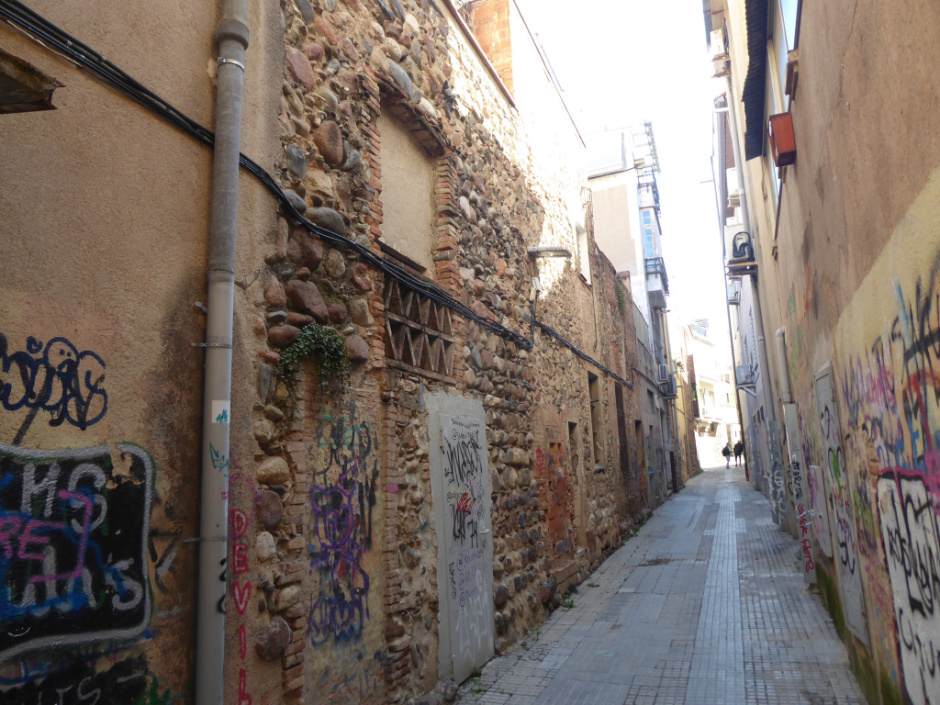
(433, 427)
(710, 376)
(622, 168)
(827, 167)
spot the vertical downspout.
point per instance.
(746, 223)
(786, 396)
(738, 167)
(231, 35)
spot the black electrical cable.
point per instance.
(552, 333)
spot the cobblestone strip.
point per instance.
(717, 673)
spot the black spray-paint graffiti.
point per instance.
(342, 499)
(128, 682)
(911, 535)
(464, 467)
(73, 545)
(55, 378)
(463, 458)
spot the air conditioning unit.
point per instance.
(663, 372)
(669, 388)
(717, 45)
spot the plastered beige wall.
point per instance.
(104, 221)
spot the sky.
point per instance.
(620, 62)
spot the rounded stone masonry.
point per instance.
(501, 596)
(295, 200)
(306, 298)
(282, 336)
(273, 471)
(357, 349)
(360, 314)
(296, 162)
(270, 508)
(361, 278)
(334, 265)
(265, 546)
(327, 218)
(337, 313)
(329, 140)
(288, 597)
(298, 319)
(305, 249)
(274, 294)
(273, 643)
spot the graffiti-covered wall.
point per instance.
(847, 259)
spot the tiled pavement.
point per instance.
(704, 606)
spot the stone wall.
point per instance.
(362, 622)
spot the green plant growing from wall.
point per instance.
(318, 342)
(621, 298)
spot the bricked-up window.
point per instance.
(407, 192)
(419, 335)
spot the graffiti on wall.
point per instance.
(778, 492)
(128, 682)
(342, 500)
(73, 545)
(798, 490)
(891, 395)
(463, 471)
(56, 379)
(909, 529)
(843, 522)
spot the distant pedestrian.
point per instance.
(726, 451)
(738, 452)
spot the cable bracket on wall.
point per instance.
(233, 62)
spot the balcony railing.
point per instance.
(655, 265)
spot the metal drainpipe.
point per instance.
(783, 372)
(231, 36)
(722, 167)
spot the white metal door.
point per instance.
(465, 538)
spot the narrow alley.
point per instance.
(705, 605)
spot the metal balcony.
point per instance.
(657, 283)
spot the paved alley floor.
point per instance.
(704, 606)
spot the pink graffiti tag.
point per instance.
(242, 593)
(539, 459)
(239, 523)
(242, 642)
(31, 543)
(465, 503)
(240, 558)
(243, 697)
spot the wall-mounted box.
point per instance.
(782, 141)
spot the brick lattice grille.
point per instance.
(419, 332)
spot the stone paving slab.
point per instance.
(704, 606)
